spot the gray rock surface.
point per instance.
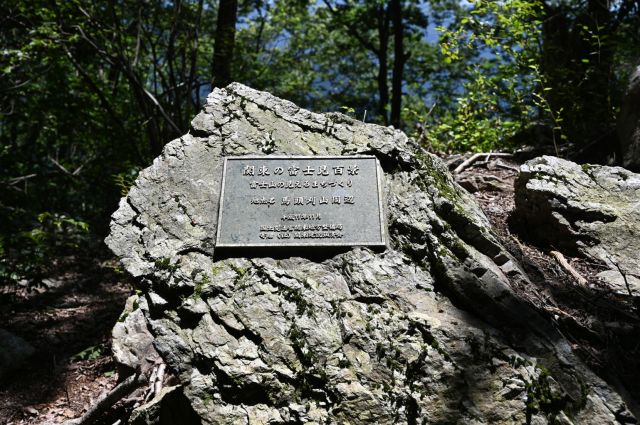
(628, 124)
(428, 331)
(590, 210)
(132, 345)
(14, 351)
(622, 284)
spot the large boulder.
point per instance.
(427, 331)
(589, 210)
(629, 124)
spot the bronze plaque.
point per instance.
(304, 201)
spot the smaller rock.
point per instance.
(596, 412)
(563, 419)
(157, 302)
(587, 210)
(31, 411)
(132, 341)
(14, 351)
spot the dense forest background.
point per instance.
(91, 91)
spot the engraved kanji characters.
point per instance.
(323, 170)
(263, 171)
(293, 170)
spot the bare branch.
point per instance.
(623, 274)
(60, 166)
(15, 180)
(161, 109)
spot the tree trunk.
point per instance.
(399, 59)
(383, 87)
(224, 42)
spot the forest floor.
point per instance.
(69, 319)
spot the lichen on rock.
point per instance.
(428, 331)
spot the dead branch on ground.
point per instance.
(473, 158)
(568, 267)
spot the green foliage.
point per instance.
(89, 93)
(89, 353)
(558, 67)
(322, 55)
(502, 87)
(28, 254)
(165, 264)
(347, 110)
(125, 179)
(56, 229)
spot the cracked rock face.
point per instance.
(591, 210)
(428, 331)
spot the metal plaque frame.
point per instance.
(379, 184)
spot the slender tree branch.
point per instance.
(162, 111)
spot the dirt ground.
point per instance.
(69, 319)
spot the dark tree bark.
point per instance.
(224, 42)
(382, 53)
(399, 60)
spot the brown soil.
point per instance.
(69, 324)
